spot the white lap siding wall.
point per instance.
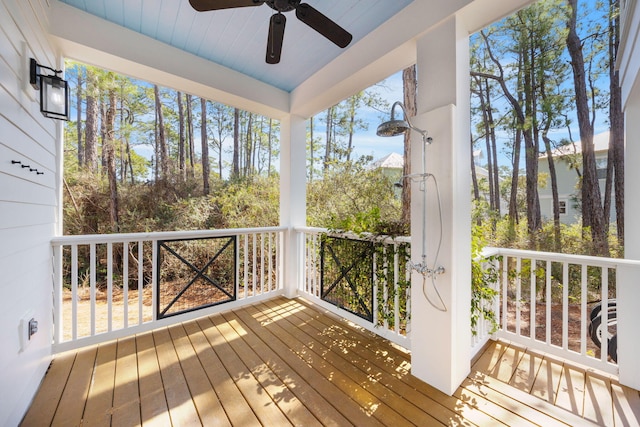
(28, 206)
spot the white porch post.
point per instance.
(293, 194)
(440, 341)
(628, 283)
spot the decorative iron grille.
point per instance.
(195, 273)
(347, 274)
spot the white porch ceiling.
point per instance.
(220, 55)
(237, 38)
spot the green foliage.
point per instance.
(390, 288)
(574, 239)
(484, 276)
(166, 206)
(350, 267)
(249, 203)
(356, 199)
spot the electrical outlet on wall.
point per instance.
(28, 326)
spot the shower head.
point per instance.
(395, 127)
(392, 128)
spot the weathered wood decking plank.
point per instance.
(100, 399)
(321, 396)
(205, 398)
(287, 362)
(235, 406)
(182, 410)
(153, 403)
(286, 401)
(261, 403)
(126, 396)
(74, 396)
(386, 365)
(48, 397)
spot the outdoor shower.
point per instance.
(395, 127)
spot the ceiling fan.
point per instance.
(304, 12)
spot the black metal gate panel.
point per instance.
(194, 274)
(347, 274)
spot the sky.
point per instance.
(367, 143)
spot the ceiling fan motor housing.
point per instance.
(283, 5)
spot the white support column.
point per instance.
(293, 194)
(628, 289)
(440, 340)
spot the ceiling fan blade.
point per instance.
(206, 5)
(276, 36)
(323, 25)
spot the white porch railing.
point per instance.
(546, 300)
(391, 278)
(105, 285)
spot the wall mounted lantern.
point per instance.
(54, 91)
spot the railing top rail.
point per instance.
(355, 236)
(160, 235)
(559, 257)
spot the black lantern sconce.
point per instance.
(54, 91)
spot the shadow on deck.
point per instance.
(287, 362)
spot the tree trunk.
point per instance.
(311, 146)
(616, 119)
(124, 143)
(162, 141)
(494, 172)
(79, 118)
(488, 125)
(592, 211)
(91, 123)
(130, 163)
(474, 175)
(327, 147)
(220, 137)
(514, 217)
(190, 144)
(109, 149)
(248, 166)
(533, 204)
(409, 86)
(204, 140)
(554, 194)
(182, 164)
(270, 139)
(352, 124)
(102, 108)
(236, 143)
(532, 150)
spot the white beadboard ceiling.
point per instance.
(236, 38)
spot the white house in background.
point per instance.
(568, 180)
(391, 166)
(393, 163)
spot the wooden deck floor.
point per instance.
(284, 362)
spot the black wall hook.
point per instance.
(18, 162)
